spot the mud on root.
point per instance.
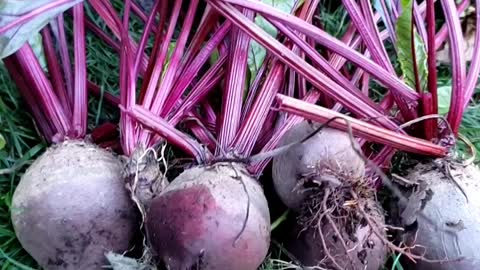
(336, 208)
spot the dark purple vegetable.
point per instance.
(212, 218)
(329, 148)
(365, 249)
(323, 181)
(71, 207)
(454, 237)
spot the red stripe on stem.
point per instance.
(102, 35)
(360, 128)
(55, 71)
(431, 126)
(390, 80)
(168, 132)
(32, 100)
(80, 105)
(252, 126)
(160, 57)
(457, 52)
(27, 64)
(194, 67)
(59, 27)
(148, 29)
(234, 86)
(168, 79)
(475, 64)
(211, 78)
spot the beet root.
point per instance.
(213, 217)
(143, 177)
(340, 228)
(455, 233)
(71, 207)
(365, 249)
(329, 148)
(339, 225)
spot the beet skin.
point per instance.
(328, 148)
(454, 238)
(317, 179)
(366, 251)
(201, 220)
(71, 207)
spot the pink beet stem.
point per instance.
(360, 128)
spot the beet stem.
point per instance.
(235, 81)
(362, 129)
(80, 104)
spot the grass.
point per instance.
(22, 146)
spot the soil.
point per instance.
(337, 227)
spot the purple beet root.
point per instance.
(366, 251)
(71, 207)
(328, 148)
(211, 218)
(319, 180)
(453, 239)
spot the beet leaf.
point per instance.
(412, 54)
(257, 52)
(19, 20)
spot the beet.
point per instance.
(331, 147)
(323, 181)
(200, 220)
(456, 232)
(71, 207)
(366, 250)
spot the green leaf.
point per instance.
(2, 142)
(171, 49)
(11, 10)
(444, 95)
(37, 46)
(214, 57)
(404, 45)
(257, 53)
